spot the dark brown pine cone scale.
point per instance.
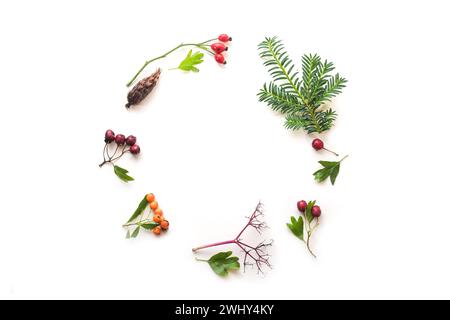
(142, 89)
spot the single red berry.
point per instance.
(135, 149)
(218, 47)
(109, 136)
(220, 58)
(224, 38)
(301, 205)
(316, 212)
(318, 145)
(131, 140)
(120, 139)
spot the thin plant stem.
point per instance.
(307, 245)
(214, 245)
(337, 155)
(199, 45)
(104, 149)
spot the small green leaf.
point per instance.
(149, 225)
(222, 262)
(331, 169)
(120, 170)
(296, 226)
(135, 232)
(308, 212)
(122, 174)
(128, 235)
(190, 61)
(141, 207)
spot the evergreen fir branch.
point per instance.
(300, 99)
(278, 99)
(281, 67)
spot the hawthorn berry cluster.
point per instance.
(122, 145)
(126, 144)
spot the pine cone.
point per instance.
(142, 89)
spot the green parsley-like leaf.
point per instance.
(330, 169)
(222, 263)
(142, 205)
(192, 59)
(296, 226)
(122, 174)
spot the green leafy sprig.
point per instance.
(330, 169)
(140, 220)
(304, 226)
(300, 97)
(222, 262)
(201, 45)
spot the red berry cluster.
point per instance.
(120, 140)
(122, 145)
(219, 48)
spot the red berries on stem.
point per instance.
(304, 225)
(319, 145)
(120, 141)
(126, 145)
(219, 48)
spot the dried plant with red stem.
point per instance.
(254, 255)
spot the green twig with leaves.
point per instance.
(140, 220)
(201, 45)
(301, 98)
(304, 226)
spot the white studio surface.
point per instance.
(211, 151)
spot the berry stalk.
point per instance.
(111, 159)
(200, 45)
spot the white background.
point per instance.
(211, 151)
